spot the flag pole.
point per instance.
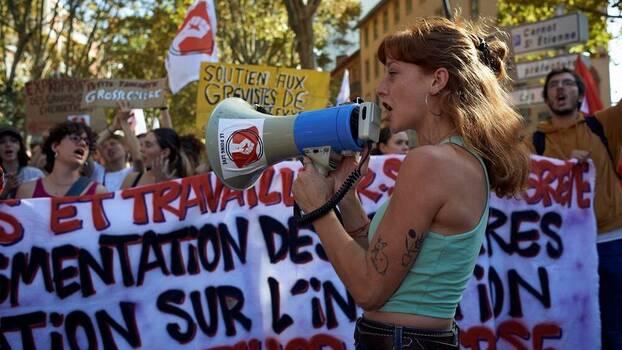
(447, 8)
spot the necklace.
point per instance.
(57, 189)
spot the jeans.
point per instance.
(610, 272)
(371, 335)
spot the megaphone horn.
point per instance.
(242, 142)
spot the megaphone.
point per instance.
(242, 141)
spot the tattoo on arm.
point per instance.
(413, 245)
(379, 258)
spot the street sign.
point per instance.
(527, 96)
(552, 33)
(537, 69)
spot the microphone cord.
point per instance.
(331, 204)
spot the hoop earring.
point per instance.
(428, 106)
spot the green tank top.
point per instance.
(434, 284)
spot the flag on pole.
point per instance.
(194, 43)
(344, 92)
(591, 100)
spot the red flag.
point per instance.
(591, 101)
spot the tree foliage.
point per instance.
(43, 38)
(130, 38)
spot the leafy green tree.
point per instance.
(43, 38)
(130, 39)
(249, 32)
(313, 21)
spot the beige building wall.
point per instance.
(391, 15)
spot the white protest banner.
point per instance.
(190, 264)
(535, 285)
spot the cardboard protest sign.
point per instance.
(139, 93)
(282, 91)
(191, 264)
(51, 101)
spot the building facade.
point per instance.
(353, 64)
(390, 15)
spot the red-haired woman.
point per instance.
(409, 267)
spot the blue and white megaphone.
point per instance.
(242, 141)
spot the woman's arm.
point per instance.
(25, 190)
(132, 143)
(110, 129)
(101, 189)
(354, 219)
(165, 118)
(419, 194)
(129, 179)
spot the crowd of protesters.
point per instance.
(73, 160)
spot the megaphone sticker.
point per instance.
(241, 147)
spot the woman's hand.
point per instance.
(346, 167)
(580, 155)
(311, 189)
(160, 169)
(11, 182)
(122, 115)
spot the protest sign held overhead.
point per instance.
(138, 93)
(282, 91)
(194, 43)
(51, 101)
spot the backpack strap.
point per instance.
(78, 187)
(597, 128)
(539, 142)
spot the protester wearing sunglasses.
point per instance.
(66, 150)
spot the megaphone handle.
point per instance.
(350, 181)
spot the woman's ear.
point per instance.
(382, 148)
(441, 77)
(55, 147)
(166, 152)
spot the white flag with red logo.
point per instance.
(194, 43)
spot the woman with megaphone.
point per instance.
(409, 266)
